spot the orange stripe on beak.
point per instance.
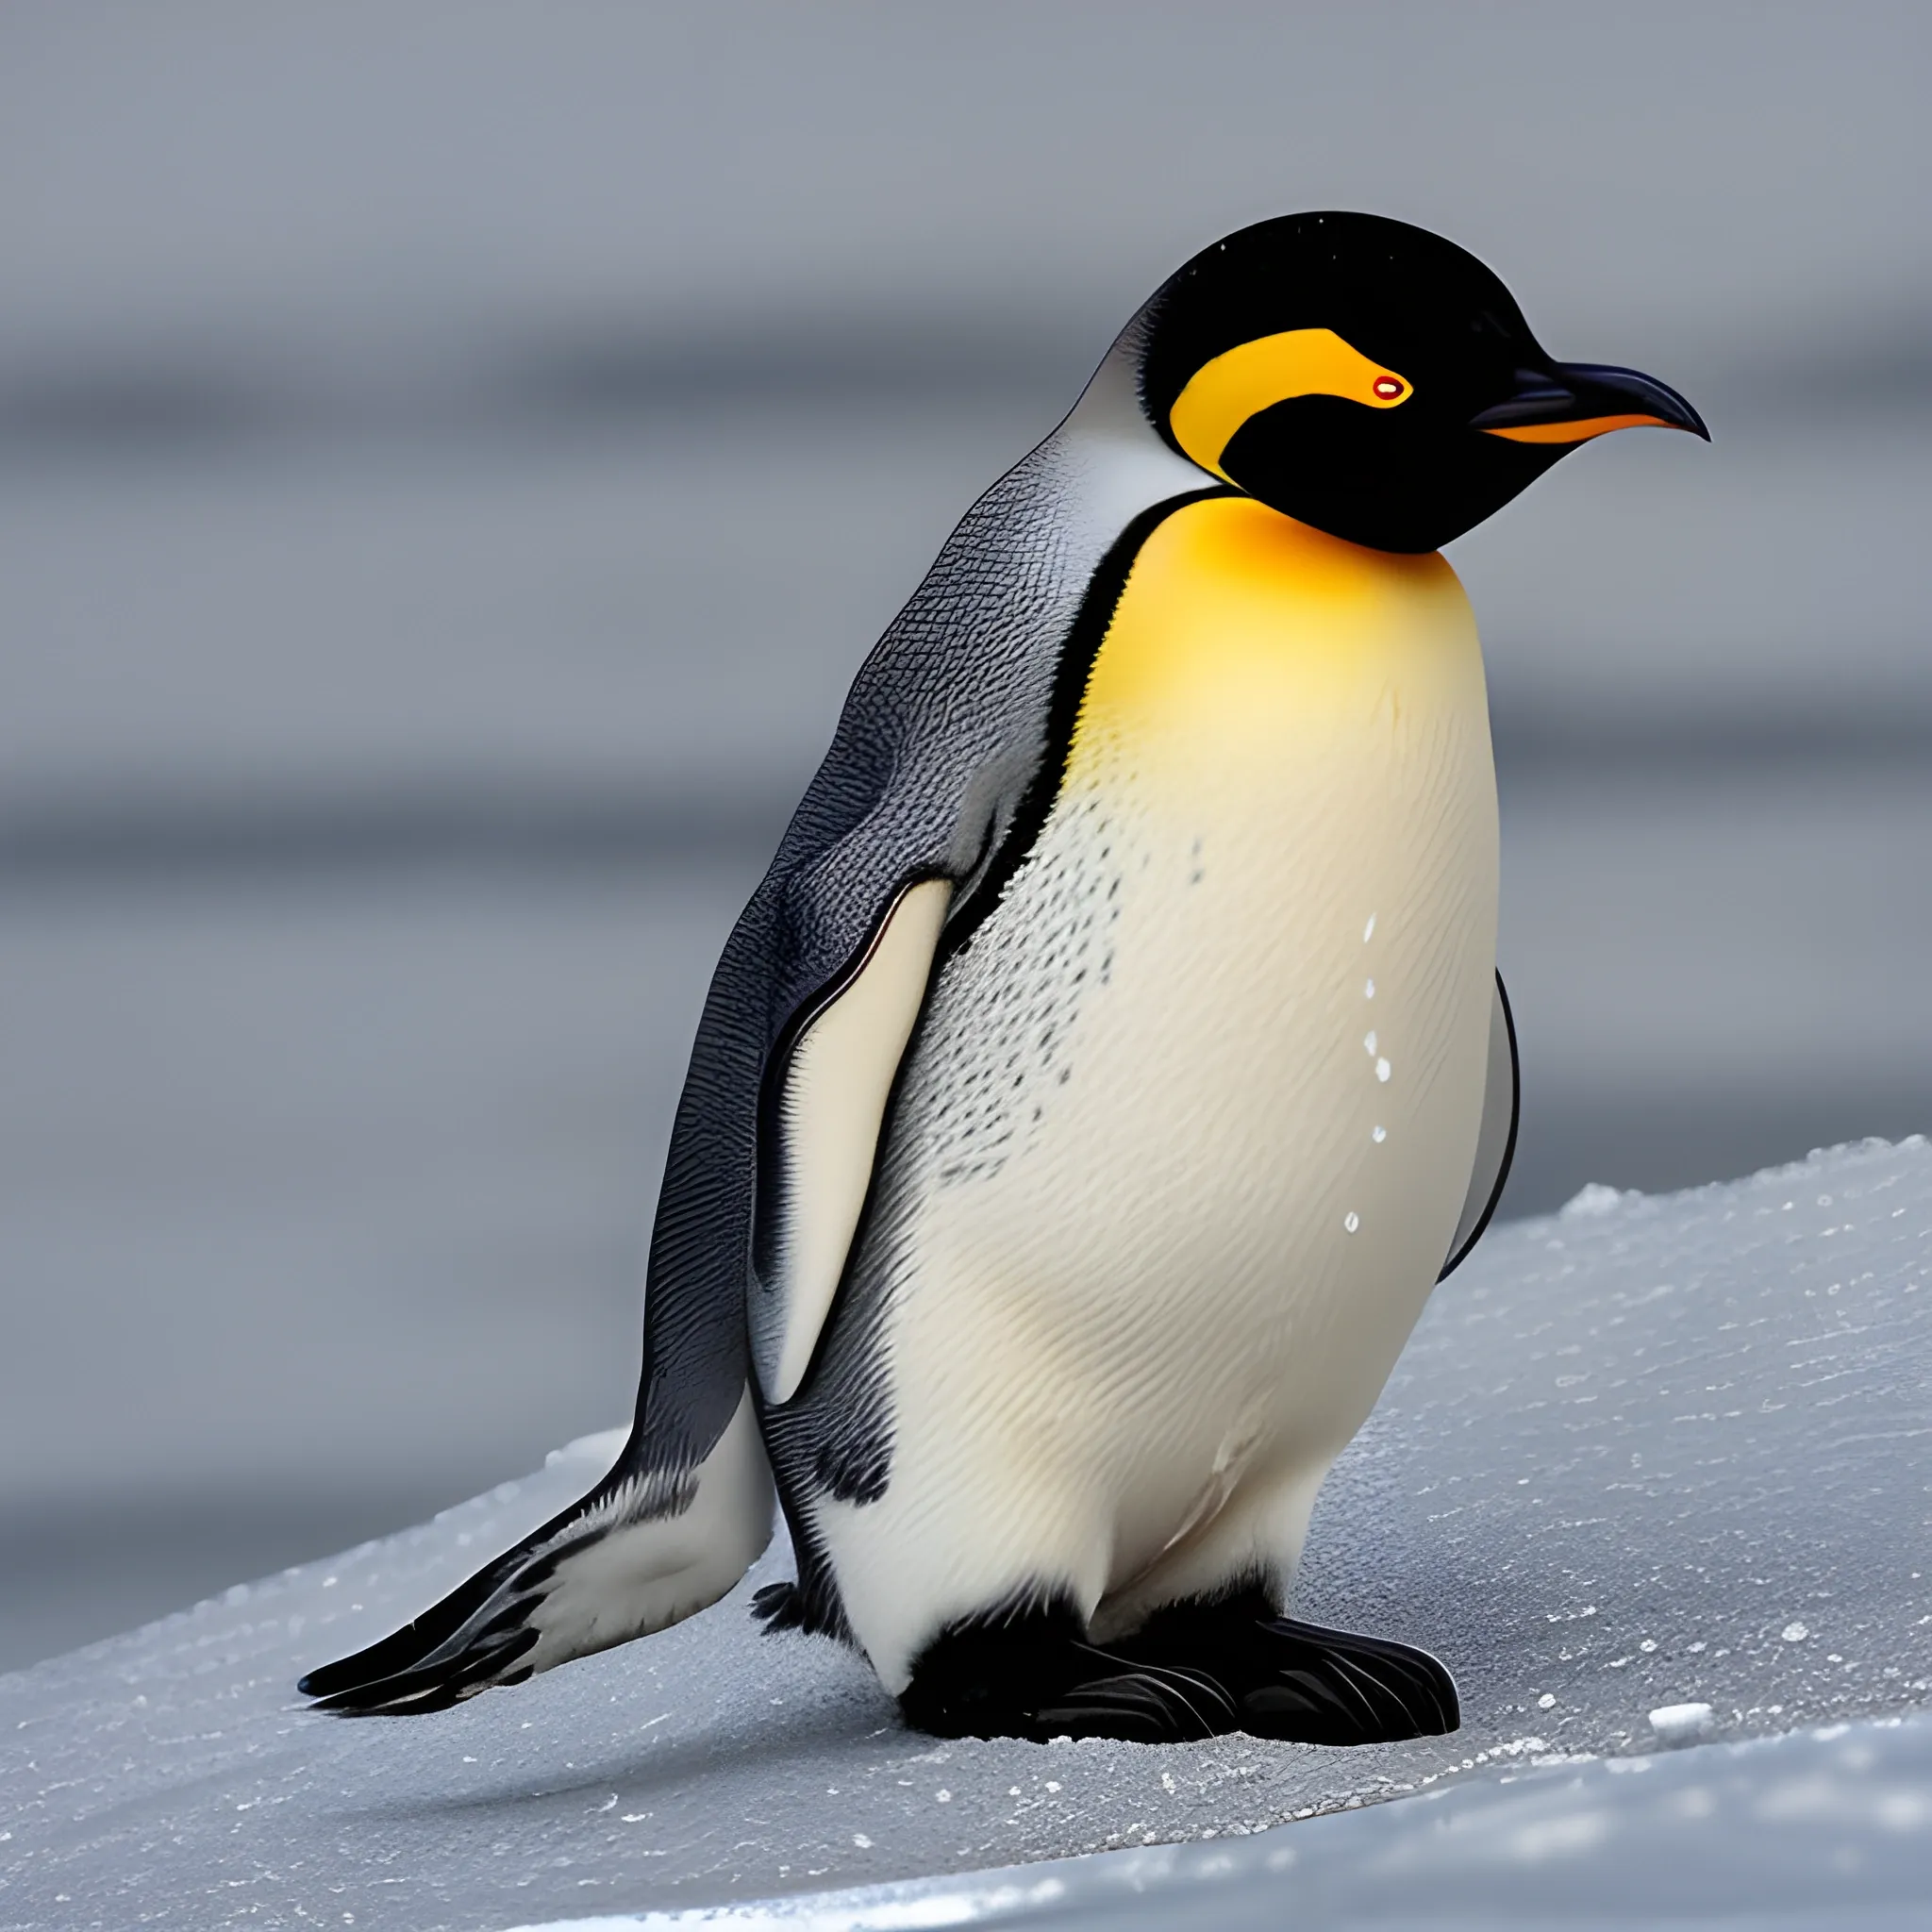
(1579, 431)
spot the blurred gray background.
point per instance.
(452, 457)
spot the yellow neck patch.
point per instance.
(1242, 633)
(1224, 393)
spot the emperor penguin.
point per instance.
(1111, 1059)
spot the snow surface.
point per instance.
(1814, 1832)
(1644, 1454)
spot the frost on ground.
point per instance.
(1645, 1455)
(1814, 1831)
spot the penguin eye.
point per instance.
(1388, 387)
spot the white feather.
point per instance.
(837, 1083)
(642, 1576)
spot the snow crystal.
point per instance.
(1657, 1414)
(1679, 1723)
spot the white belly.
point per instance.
(1186, 1132)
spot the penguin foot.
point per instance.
(1298, 1681)
(778, 1606)
(1194, 1671)
(994, 1674)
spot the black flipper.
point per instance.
(633, 1555)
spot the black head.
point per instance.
(1372, 379)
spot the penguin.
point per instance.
(1113, 1056)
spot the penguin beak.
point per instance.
(1571, 402)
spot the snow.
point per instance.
(1681, 1723)
(1808, 1833)
(1666, 1452)
(1588, 1202)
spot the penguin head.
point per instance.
(1372, 379)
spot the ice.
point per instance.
(1681, 1723)
(1625, 1456)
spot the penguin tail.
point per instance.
(640, 1552)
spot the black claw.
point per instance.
(1137, 1705)
(1377, 1699)
(780, 1606)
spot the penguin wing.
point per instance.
(827, 1108)
(1495, 1145)
(637, 1553)
(809, 1013)
(946, 742)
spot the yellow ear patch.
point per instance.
(1224, 393)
